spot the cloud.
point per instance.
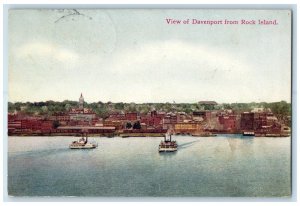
(176, 61)
(49, 51)
(156, 71)
(176, 54)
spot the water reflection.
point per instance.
(167, 155)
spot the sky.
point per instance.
(136, 56)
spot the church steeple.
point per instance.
(81, 101)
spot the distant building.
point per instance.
(81, 113)
(207, 105)
(131, 116)
(116, 116)
(199, 115)
(61, 117)
(81, 102)
(258, 110)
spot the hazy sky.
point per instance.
(135, 56)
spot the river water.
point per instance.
(221, 166)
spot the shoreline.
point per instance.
(128, 135)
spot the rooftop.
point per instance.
(208, 102)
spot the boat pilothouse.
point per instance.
(168, 145)
(83, 143)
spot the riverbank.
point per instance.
(128, 135)
(142, 135)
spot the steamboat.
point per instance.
(168, 145)
(83, 143)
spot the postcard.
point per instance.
(149, 103)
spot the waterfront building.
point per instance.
(152, 120)
(247, 121)
(76, 130)
(29, 126)
(169, 120)
(14, 124)
(228, 122)
(187, 128)
(212, 121)
(113, 123)
(260, 120)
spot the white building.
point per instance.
(81, 113)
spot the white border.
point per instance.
(147, 4)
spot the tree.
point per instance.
(188, 110)
(227, 106)
(128, 125)
(11, 107)
(55, 124)
(67, 107)
(119, 106)
(137, 125)
(103, 112)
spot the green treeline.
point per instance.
(280, 109)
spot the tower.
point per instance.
(81, 101)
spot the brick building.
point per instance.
(131, 116)
(187, 128)
(247, 121)
(152, 121)
(228, 122)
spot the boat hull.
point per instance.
(247, 133)
(86, 146)
(167, 149)
(81, 147)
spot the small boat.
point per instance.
(83, 143)
(248, 133)
(168, 145)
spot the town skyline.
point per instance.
(168, 102)
(171, 102)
